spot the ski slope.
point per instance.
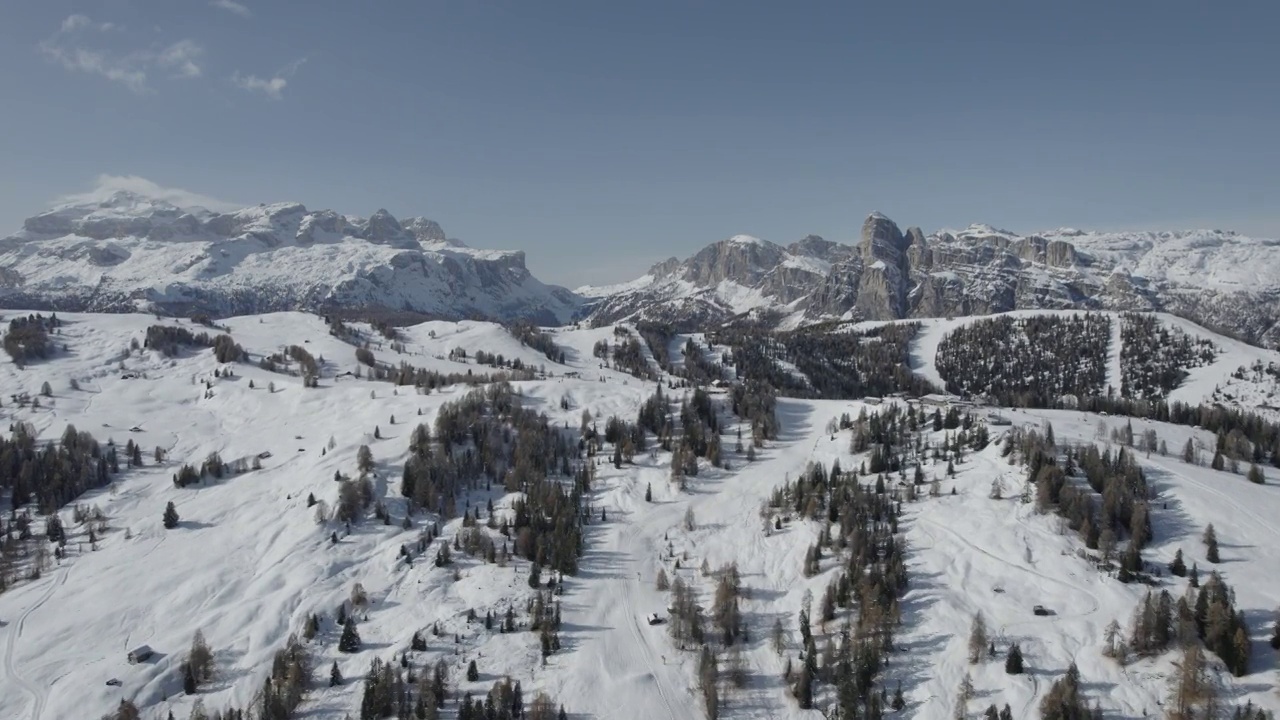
(249, 563)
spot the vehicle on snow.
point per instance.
(1041, 610)
(654, 619)
(113, 682)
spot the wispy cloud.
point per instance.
(75, 22)
(107, 185)
(232, 6)
(71, 47)
(273, 87)
(183, 58)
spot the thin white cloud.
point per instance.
(116, 69)
(273, 87)
(183, 58)
(107, 185)
(232, 6)
(70, 48)
(75, 22)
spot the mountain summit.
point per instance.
(1215, 277)
(132, 251)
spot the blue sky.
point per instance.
(603, 136)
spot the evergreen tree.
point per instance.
(1255, 475)
(1013, 661)
(335, 675)
(350, 640)
(1178, 567)
(170, 516)
(473, 673)
(1211, 544)
(977, 638)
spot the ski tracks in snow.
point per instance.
(39, 695)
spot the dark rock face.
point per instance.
(890, 274)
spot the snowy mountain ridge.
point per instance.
(1218, 278)
(128, 251)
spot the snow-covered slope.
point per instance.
(1220, 279)
(248, 563)
(126, 251)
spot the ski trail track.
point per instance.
(39, 696)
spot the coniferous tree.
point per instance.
(1013, 660)
(473, 673)
(1211, 544)
(170, 516)
(335, 675)
(977, 638)
(350, 640)
(1178, 567)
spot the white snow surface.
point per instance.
(248, 562)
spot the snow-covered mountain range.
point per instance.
(129, 251)
(1217, 278)
(126, 251)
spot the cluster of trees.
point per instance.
(529, 334)
(402, 690)
(859, 535)
(427, 380)
(1027, 362)
(628, 355)
(1112, 504)
(308, 366)
(1154, 359)
(53, 474)
(699, 368)
(282, 691)
(832, 362)
(212, 467)
(27, 338)
(658, 337)
(168, 339)
(1206, 614)
(756, 403)
(495, 360)
(1064, 701)
(488, 436)
(197, 669)
(700, 426)
(505, 701)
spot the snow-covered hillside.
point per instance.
(1219, 381)
(124, 251)
(248, 563)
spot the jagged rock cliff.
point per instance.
(131, 252)
(1218, 278)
